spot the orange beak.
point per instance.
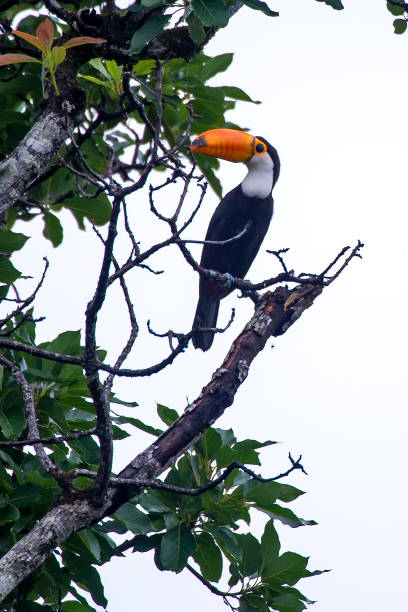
(232, 145)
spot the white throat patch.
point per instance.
(259, 180)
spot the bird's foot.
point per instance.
(228, 283)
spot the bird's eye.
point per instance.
(260, 148)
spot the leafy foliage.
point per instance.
(204, 532)
(207, 534)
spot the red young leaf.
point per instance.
(33, 40)
(83, 40)
(45, 33)
(16, 58)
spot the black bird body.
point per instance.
(250, 203)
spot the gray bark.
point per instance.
(30, 158)
(29, 552)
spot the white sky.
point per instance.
(334, 91)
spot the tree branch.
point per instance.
(30, 158)
(193, 492)
(50, 440)
(274, 314)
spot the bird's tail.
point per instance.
(206, 316)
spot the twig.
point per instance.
(134, 328)
(50, 440)
(194, 492)
(37, 352)
(29, 300)
(278, 255)
(54, 7)
(354, 253)
(156, 247)
(220, 242)
(100, 394)
(210, 586)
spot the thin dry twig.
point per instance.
(194, 492)
(50, 440)
(29, 300)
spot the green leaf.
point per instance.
(114, 70)
(27, 494)
(145, 543)
(400, 25)
(140, 425)
(167, 415)
(195, 29)
(11, 241)
(87, 449)
(143, 67)
(208, 557)
(97, 210)
(288, 603)
(227, 541)
(151, 28)
(266, 493)
(153, 502)
(52, 228)
(74, 606)
(251, 554)
(258, 5)
(98, 65)
(244, 606)
(286, 569)
(8, 273)
(68, 342)
(90, 542)
(270, 544)
(211, 12)
(286, 516)
(236, 93)
(12, 419)
(86, 576)
(216, 64)
(9, 514)
(252, 603)
(6, 427)
(176, 546)
(93, 79)
(336, 4)
(58, 55)
(205, 167)
(133, 519)
(209, 444)
(396, 10)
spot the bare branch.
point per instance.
(50, 440)
(29, 300)
(160, 245)
(274, 314)
(354, 253)
(220, 242)
(56, 9)
(99, 393)
(37, 352)
(194, 492)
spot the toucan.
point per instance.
(249, 206)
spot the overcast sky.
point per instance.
(334, 91)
